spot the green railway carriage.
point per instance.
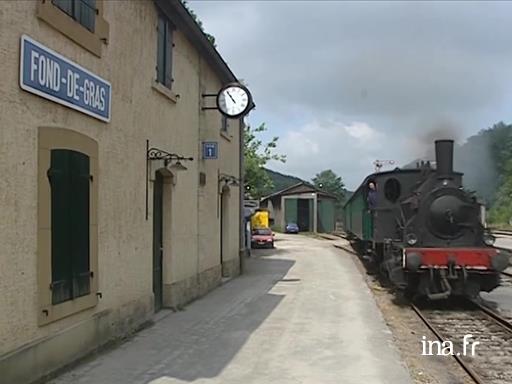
(357, 219)
(391, 186)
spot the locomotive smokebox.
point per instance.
(444, 157)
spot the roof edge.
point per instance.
(180, 16)
(298, 185)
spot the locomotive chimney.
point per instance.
(444, 157)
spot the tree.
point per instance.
(330, 182)
(257, 154)
(501, 211)
(210, 38)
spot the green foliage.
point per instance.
(486, 161)
(330, 182)
(210, 38)
(501, 211)
(257, 154)
(483, 158)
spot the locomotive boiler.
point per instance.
(425, 232)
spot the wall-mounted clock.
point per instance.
(234, 100)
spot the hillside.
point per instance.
(482, 158)
(282, 181)
(486, 161)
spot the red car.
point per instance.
(262, 237)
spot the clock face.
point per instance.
(234, 100)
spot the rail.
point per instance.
(479, 373)
(508, 274)
(442, 339)
(502, 232)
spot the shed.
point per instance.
(310, 207)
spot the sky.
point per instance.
(345, 83)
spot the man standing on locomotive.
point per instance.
(371, 199)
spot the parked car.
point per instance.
(292, 228)
(262, 237)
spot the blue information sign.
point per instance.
(210, 150)
(52, 76)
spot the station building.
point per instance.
(111, 207)
(312, 209)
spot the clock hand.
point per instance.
(231, 97)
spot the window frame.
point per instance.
(165, 78)
(392, 190)
(70, 184)
(60, 138)
(224, 124)
(76, 11)
(93, 41)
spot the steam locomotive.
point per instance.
(425, 233)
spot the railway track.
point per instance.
(492, 363)
(502, 232)
(508, 274)
(492, 360)
(506, 279)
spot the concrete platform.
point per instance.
(300, 314)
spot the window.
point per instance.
(83, 11)
(262, 231)
(392, 190)
(164, 51)
(67, 223)
(224, 124)
(69, 179)
(80, 20)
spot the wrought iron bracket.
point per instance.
(159, 154)
(228, 180)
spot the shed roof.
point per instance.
(298, 188)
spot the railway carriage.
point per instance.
(426, 232)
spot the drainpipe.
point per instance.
(315, 213)
(241, 253)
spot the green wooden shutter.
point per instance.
(160, 60)
(85, 13)
(168, 53)
(80, 189)
(69, 177)
(65, 6)
(59, 176)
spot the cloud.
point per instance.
(404, 69)
(362, 132)
(310, 150)
(382, 59)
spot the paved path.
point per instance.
(504, 241)
(301, 314)
(501, 297)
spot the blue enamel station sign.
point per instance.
(210, 150)
(48, 74)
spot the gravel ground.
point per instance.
(408, 331)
